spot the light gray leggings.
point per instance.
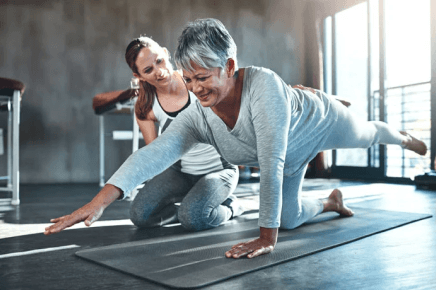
(201, 197)
(348, 132)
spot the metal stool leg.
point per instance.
(16, 149)
(9, 144)
(101, 134)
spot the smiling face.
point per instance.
(154, 66)
(209, 86)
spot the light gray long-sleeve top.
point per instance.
(279, 129)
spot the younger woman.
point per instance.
(202, 180)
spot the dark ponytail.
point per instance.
(146, 91)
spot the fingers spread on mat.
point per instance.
(250, 249)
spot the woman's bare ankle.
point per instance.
(335, 203)
(413, 144)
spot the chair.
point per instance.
(115, 102)
(11, 92)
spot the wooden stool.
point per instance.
(10, 99)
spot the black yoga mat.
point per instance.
(198, 260)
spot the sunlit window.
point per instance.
(352, 72)
(408, 73)
(352, 69)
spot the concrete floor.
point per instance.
(401, 258)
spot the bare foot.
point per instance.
(414, 144)
(336, 203)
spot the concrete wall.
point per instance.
(68, 51)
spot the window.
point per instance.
(352, 59)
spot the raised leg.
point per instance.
(414, 144)
(350, 131)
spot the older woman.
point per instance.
(253, 118)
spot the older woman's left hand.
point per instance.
(263, 245)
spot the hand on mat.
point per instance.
(301, 87)
(263, 245)
(88, 213)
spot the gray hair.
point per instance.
(207, 43)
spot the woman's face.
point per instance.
(154, 66)
(210, 86)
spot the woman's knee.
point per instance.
(139, 215)
(194, 218)
(135, 212)
(137, 219)
(289, 224)
(290, 219)
(189, 217)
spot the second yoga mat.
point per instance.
(198, 260)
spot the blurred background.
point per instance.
(376, 54)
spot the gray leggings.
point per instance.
(201, 197)
(348, 132)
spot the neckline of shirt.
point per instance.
(236, 127)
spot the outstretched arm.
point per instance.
(142, 165)
(157, 156)
(89, 213)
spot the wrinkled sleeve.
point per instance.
(154, 158)
(271, 116)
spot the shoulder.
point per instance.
(149, 117)
(158, 113)
(195, 110)
(263, 82)
(195, 105)
(255, 73)
(190, 121)
(195, 116)
(259, 79)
